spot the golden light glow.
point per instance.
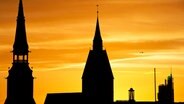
(60, 35)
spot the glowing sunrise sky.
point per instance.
(60, 34)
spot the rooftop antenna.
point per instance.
(171, 71)
(155, 84)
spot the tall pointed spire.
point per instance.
(20, 46)
(21, 11)
(97, 41)
(97, 78)
(20, 78)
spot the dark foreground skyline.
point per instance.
(75, 73)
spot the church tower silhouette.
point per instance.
(20, 79)
(97, 79)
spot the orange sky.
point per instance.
(60, 34)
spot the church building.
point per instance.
(20, 79)
(97, 79)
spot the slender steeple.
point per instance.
(97, 41)
(20, 79)
(97, 78)
(20, 46)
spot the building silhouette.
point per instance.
(20, 79)
(166, 91)
(131, 95)
(131, 99)
(97, 78)
(165, 95)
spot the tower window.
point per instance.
(21, 57)
(15, 57)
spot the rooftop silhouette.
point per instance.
(97, 77)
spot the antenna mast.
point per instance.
(155, 84)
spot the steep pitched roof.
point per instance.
(97, 41)
(20, 43)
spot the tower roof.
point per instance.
(97, 41)
(97, 65)
(97, 36)
(20, 43)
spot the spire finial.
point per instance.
(97, 9)
(97, 41)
